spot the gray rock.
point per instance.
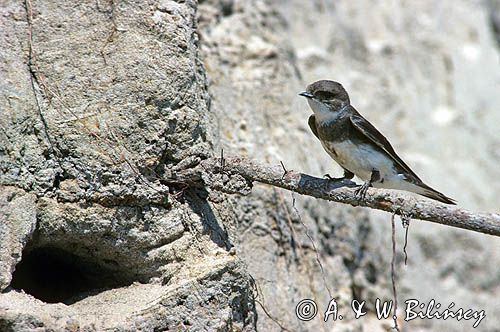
(119, 100)
(127, 94)
(17, 223)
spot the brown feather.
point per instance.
(370, 132)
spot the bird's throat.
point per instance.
(323, 113)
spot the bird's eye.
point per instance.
(324, 95)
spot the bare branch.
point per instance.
(340, 191)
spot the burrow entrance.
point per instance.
(54, 275)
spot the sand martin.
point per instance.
(357, 146)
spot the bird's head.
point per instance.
(326, 96)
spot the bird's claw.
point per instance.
(361, 191)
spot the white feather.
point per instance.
(322, 112)
(361, 159)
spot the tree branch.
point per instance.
(236, 175)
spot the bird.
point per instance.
(357, 146)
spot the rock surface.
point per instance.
(17, 223)
(109, 98)
(117, 102)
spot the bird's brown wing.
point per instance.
(312, 125)
(370, 132)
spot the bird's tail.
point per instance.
(427, 191)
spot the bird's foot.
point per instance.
(361, 191)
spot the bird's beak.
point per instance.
(306, 94)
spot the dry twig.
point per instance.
(209, 172)
(393, 274)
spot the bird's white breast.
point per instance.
(361, 159)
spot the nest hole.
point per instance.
(55, 275)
